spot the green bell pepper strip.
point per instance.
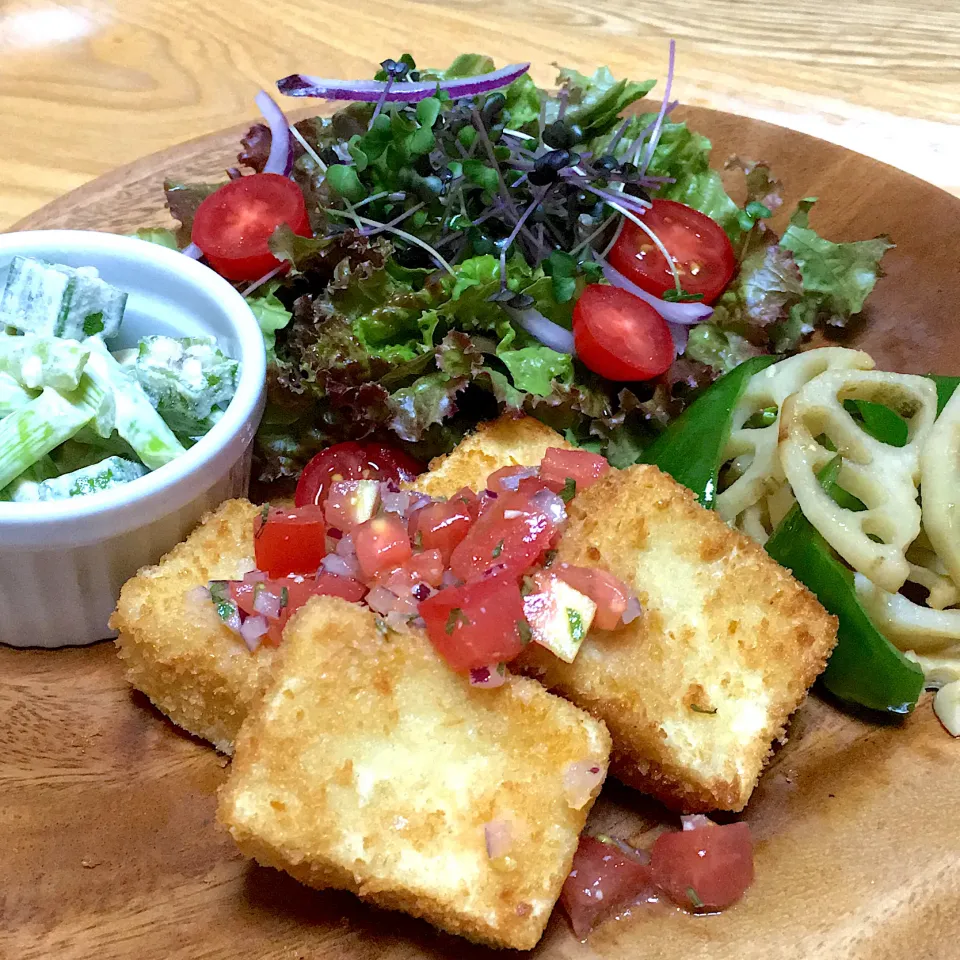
(691, 448)
(865, 667)
(945, 388)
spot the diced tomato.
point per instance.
(506, 540)
(441, 526)
(620, 336)
(704, 869)
(500, 480)
(381, 543)
(604, 879)
(289, 540)
(608, 592)
(353, 461)
(698, 245)
(330, 585)
(476, 624)
(425, 567)
(234, 224)
(584, 468)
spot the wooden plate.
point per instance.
(108, 845)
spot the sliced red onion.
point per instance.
(682, 313)
(580, 779)
(397, 621)
(513, 482)
(198, 595)
(696, 821)
(632, 611)
(680, 335)
(192, 251)
(398, 503)
(498, 835)
(252, 629)
(233, 622)
(280, 159)
(494, 675)
(340, 566)
(550, 334)
(371, 91)
(267, 603)
(381, 600)
(345, 547)
(549, 503)
(450, 579)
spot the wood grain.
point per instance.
(109, 846)
(86, 85)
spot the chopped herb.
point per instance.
(501, 669)
(456, 616)
(527, 587)
(218, 590)
(284, 597)
(264, 513)
(497, 550)
(93, 323)
(219, 593)
(693, 898)
(548, 559)
(575, 622)
(418, 540)
(523, 628)
(380, 625)
(569, 490)
(696, 708)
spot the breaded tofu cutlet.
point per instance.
(505, 442)
(695, 692)
(176, 649)
(370, 766)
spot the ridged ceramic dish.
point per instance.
(62, 563)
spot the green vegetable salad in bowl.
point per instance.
(456, 242)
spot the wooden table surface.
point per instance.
(91, 84)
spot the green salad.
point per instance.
(463, 242)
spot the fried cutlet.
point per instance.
(176, 649)
(696, 690)
(370, 766)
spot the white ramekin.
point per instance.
(62, 563)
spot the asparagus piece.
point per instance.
(26, 488)
(136, 420)
(36, 429)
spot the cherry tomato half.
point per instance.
(699, 246)
(232, 225)
(353, 461)
(620, 336)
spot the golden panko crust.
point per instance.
(370, 766)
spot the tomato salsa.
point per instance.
(477, 571)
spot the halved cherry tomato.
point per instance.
(699, 246)
(608, 592)
(603, 880)
(232, 225)
(704, 869)
(289, 540)
(353, 461)
(441, 526)
(507, 539)
(620, 336)
(476, 624)
(581, 466)
(381, 543)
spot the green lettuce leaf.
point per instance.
(536, 370)
(159, 235)
(271, 314)
(595, 102)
